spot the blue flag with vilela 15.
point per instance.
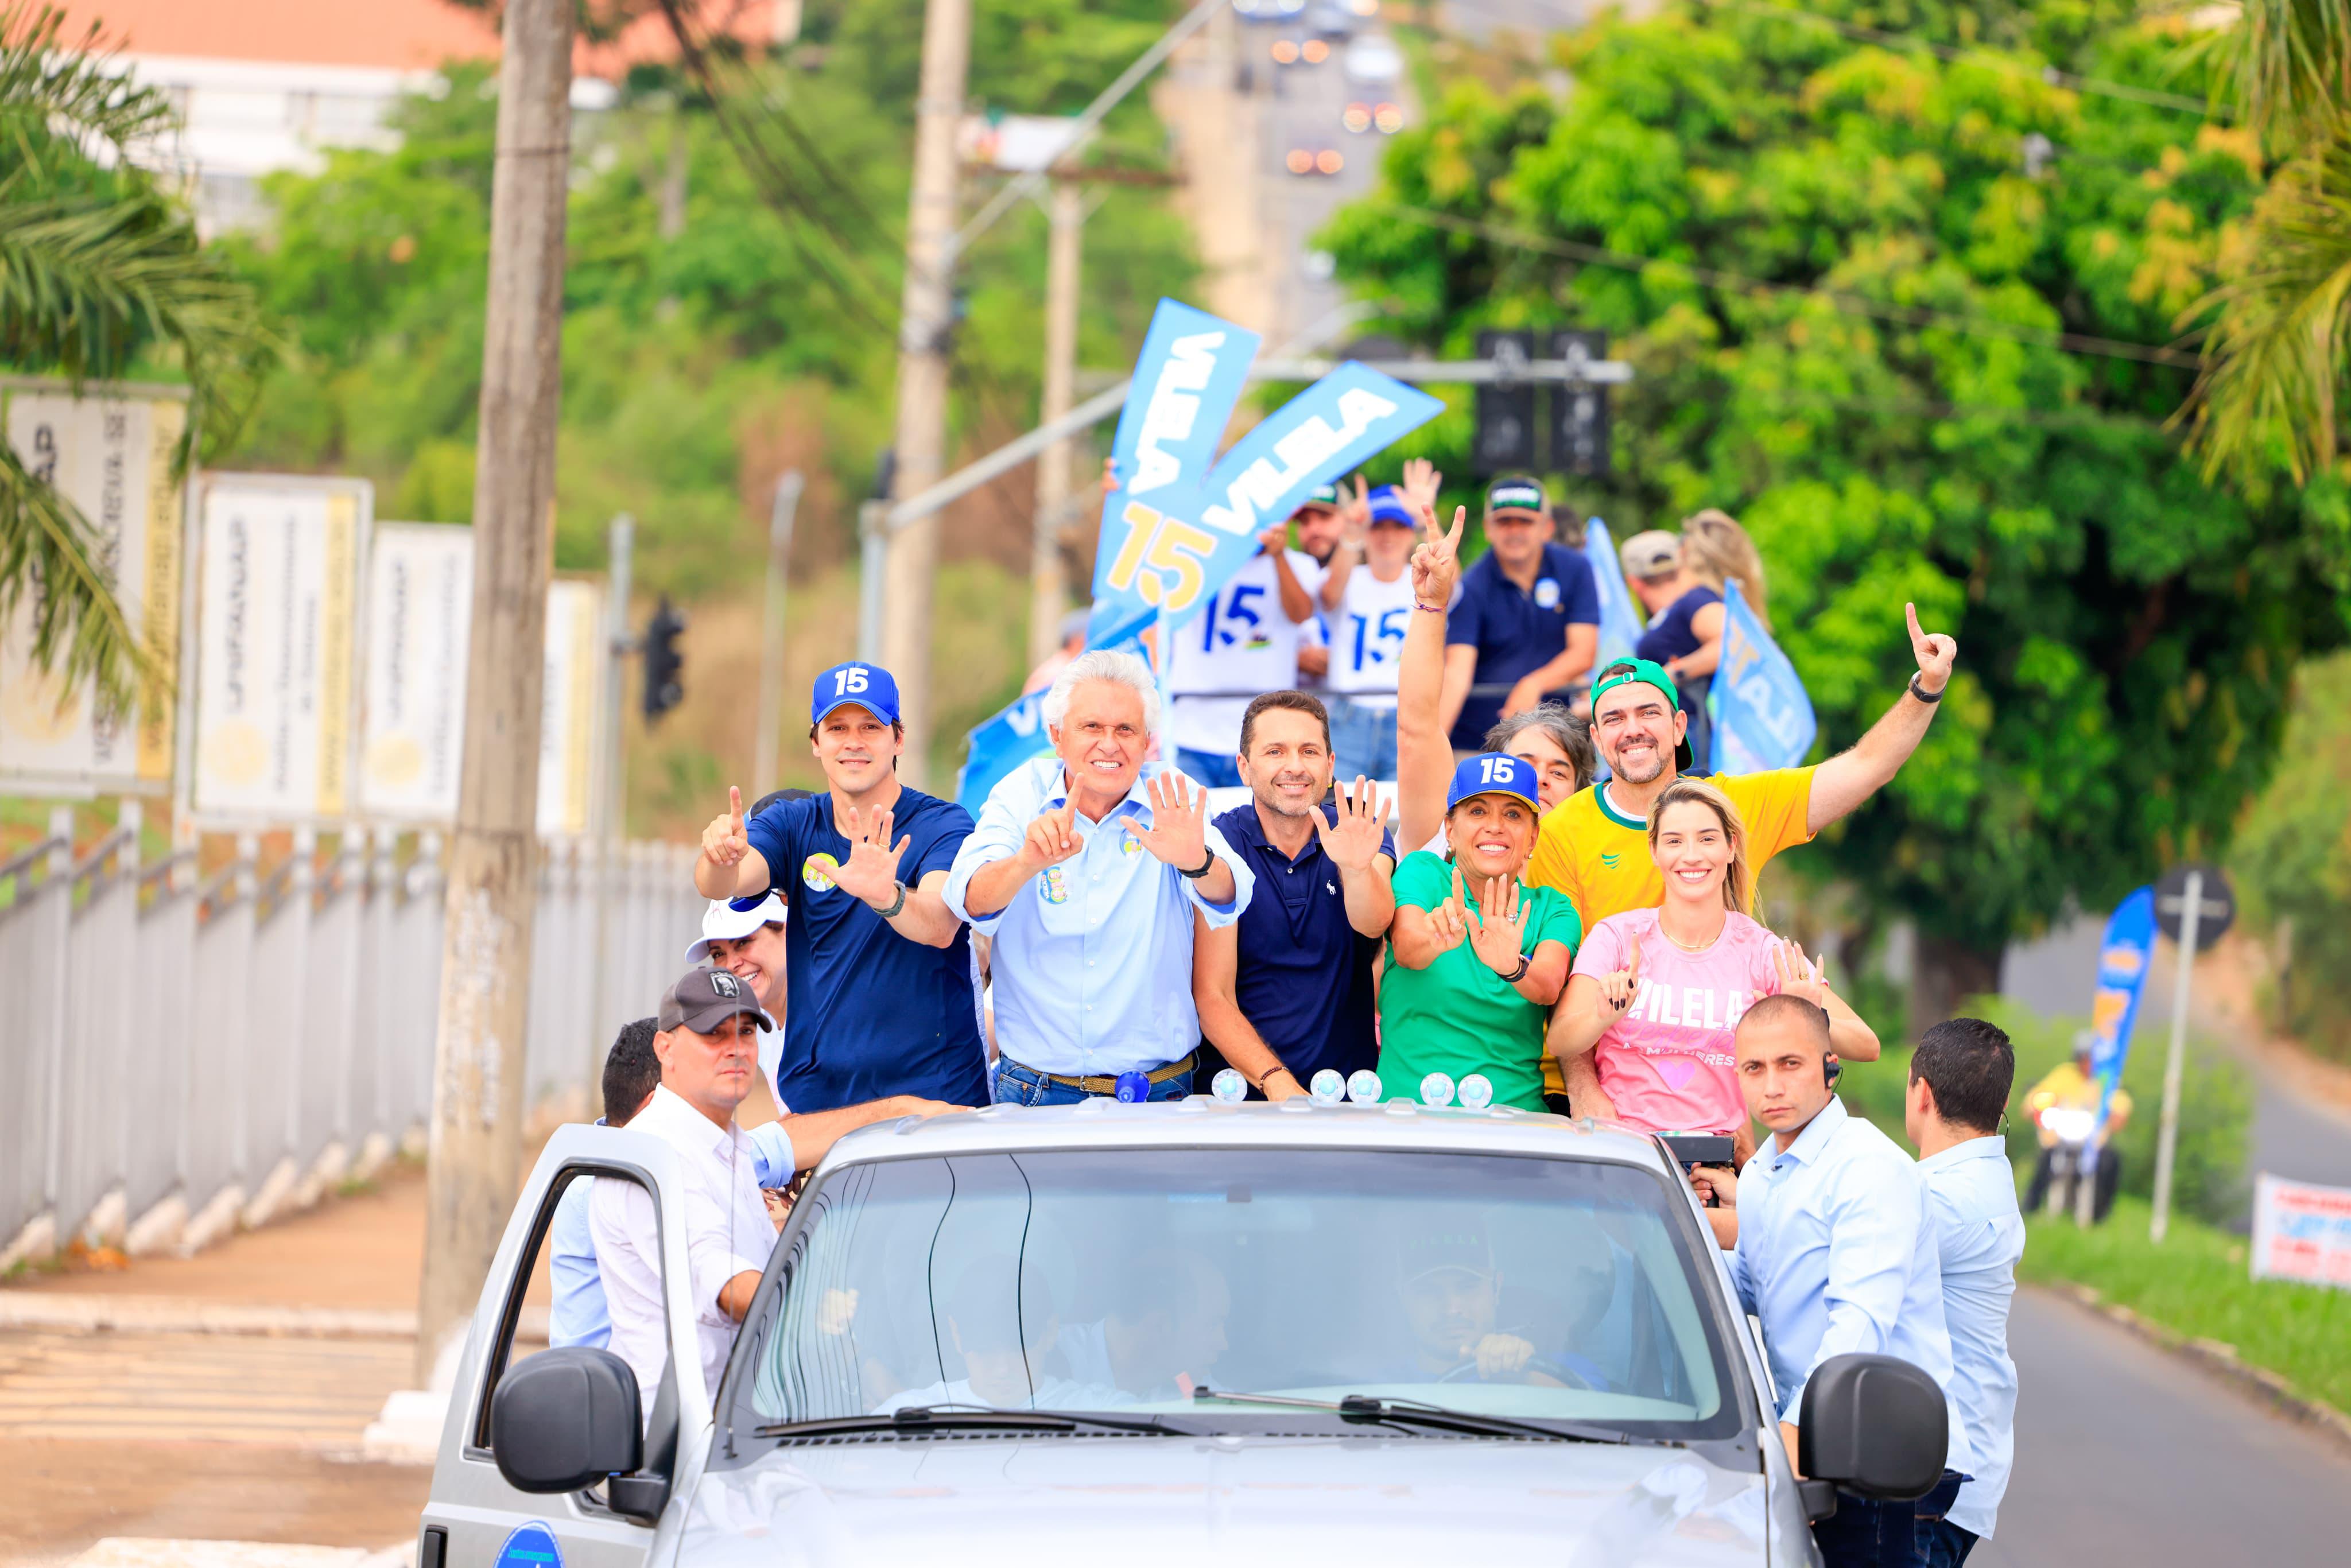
(2124, 956)
(1165, 552)
(1762, 719)
(1620, 619)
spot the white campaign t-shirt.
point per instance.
(1240, 643)
(1367, 636)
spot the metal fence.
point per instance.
(179, 1058)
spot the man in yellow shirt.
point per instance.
(2069, 1087)
(1594, 846)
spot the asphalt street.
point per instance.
(2126, 1454)
(1302, 107)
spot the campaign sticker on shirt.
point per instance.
(1052, 886)
(532, 1545)
(1132, 846)
(1546, 593)
(816, 871)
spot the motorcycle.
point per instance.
(2073, 1181)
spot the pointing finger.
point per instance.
(735, 801)
(1911, 613)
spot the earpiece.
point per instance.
(1830, 1068)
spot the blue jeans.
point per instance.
(1941, 1543)
(1867, 1533)
(1019, 1085)
(1217, 772)
(1363, 740)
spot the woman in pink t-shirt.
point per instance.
(1657, 994)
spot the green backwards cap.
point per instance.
(1647, 672)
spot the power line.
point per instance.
(1851, 303)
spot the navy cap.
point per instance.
(855, 684)
(1514, 493)
(1388, 505)
(1491, 773)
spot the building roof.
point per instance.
(394, 35)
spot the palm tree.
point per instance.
(100, 268)
(2279, 329)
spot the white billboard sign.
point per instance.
(109, 453)
(2302, 1231)
(279, 562)
(419, 629)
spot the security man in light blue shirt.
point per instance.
(1835, 1254)
(1960, 1076)
(1084, 872)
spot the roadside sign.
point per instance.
(2302, 1231)
(2217, 903)
(281, 561)
(109, 452)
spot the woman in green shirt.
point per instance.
(1476, 958)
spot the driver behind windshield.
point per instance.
(1451, 1292)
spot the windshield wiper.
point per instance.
(916, 1419)
(1364, 1407)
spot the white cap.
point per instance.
(721, 921)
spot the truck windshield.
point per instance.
(1143, 1281)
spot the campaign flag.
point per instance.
(1012, 737)
(1164, 551)
(1186, 380)
(1620, 616)
(1762, 719)
(2123, 958)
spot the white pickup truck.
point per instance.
(1192, 1334)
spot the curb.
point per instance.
(66, 1313)
(2215, 1357)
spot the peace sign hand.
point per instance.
(1355, 516)
(1354, 839)
(1449, 923)
(724, 841)
(1800, 976)
(1178, 834)
(1619, 989)
(1500, 936)
(1935, 650)
(1437, 560)
(870, 871)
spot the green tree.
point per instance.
(1898, 300)
(2293, 862)
(99, 272)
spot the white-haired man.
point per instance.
(1084, 871)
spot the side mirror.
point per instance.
(1874, 1425)
(565, 1419)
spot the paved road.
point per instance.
(2125, 1454)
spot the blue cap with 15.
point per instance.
(855, 684)
(1491, 773)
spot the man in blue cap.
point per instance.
(878, 968)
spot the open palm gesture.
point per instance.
(1800, 976)
(1178, 833)
(1499, 938)
(1354, 840)
(1421, 484)
(870, 871)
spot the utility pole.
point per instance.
(610, 826)
(476, 1150)
(924, 316)
(771, 646)
(1048, 592)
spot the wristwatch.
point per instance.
(1515, 975)
(896, 905)
(1206, 866)
(1927, 696)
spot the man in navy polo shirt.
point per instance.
(1285, 990)
(1528, 617)
(878, 968)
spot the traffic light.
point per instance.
(1579, 443)
(663, 664)
(1505, 437)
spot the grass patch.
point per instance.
(2196, 1284)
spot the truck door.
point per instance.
(474, 1518)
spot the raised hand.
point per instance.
(1110, 476)
(1053, 838)
(1355, 515)
(1618, 991)
(1935, 650)
(1421, 484)
(724, 841)
(1499, 938)
(870, 871)
(1437, 560)
(1178, 834)
(1799, 976)
(1353, 841)
(1274, 540)
(1449, 923)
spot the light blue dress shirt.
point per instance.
(1978, 1237)
(1836, 1255)
(1092, 961)
(577, 1314)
